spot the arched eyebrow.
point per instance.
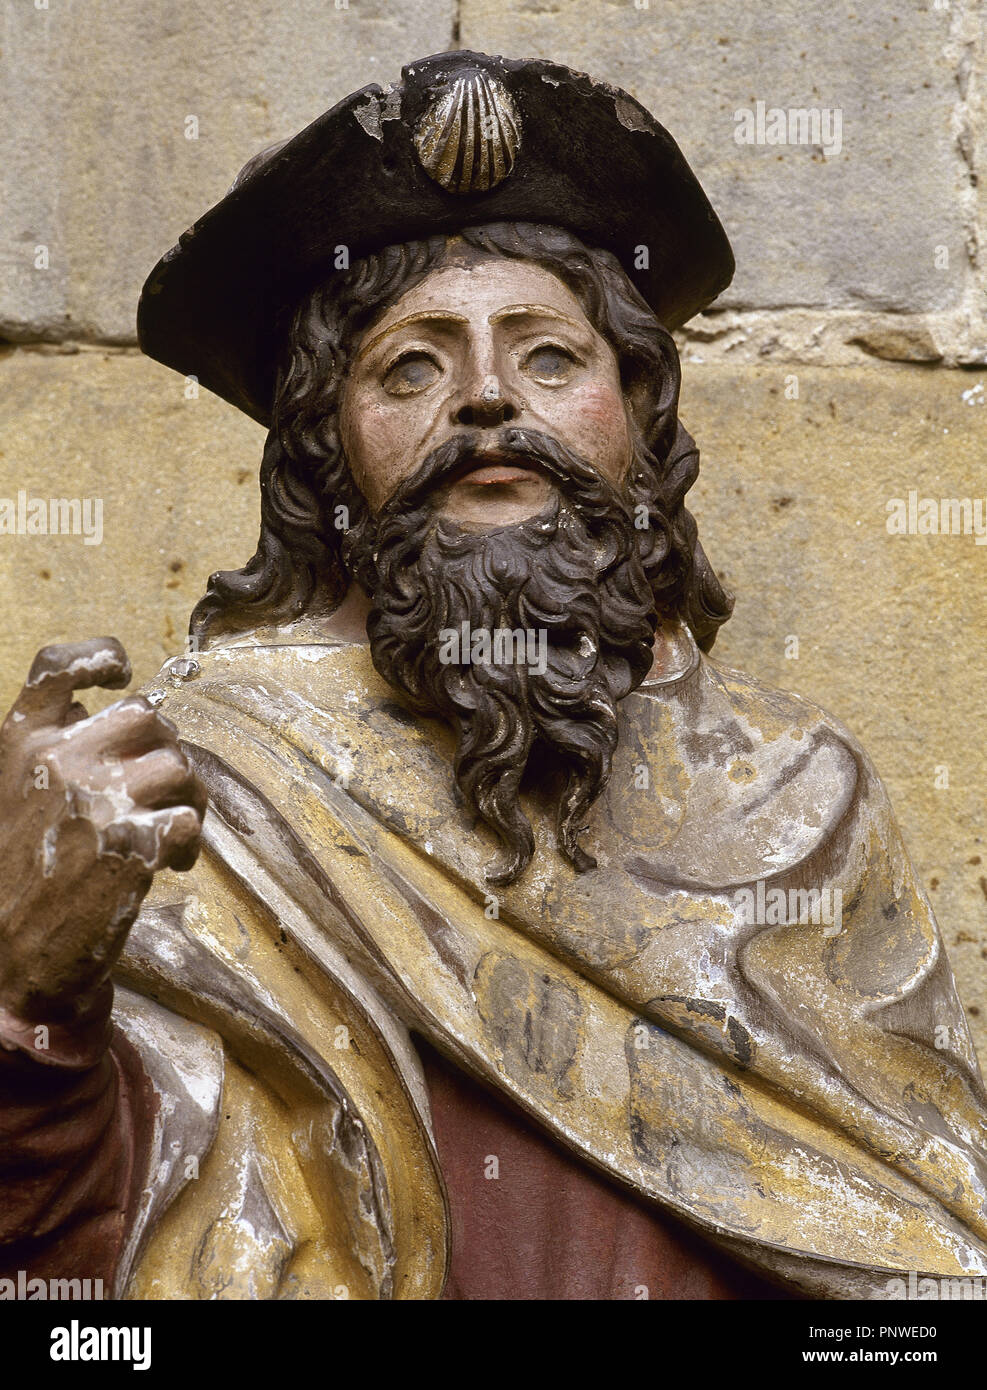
(436, 316)
(533, 311)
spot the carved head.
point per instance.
(481, 430)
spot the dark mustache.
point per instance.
(575, 476)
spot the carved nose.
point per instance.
(487, 406)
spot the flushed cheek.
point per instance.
(380, 446)
(592, 421)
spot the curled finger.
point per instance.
(164, 839)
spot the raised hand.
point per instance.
(90, 809)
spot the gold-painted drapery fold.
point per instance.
(809, 1099)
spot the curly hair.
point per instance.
(313, 517)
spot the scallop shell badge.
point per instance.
(468, 138)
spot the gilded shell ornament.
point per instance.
(468, 138)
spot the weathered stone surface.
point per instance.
(95, 165)
(973, 140)
(178, 483)
(858, 228)
(97, 101)
(911, 343)
(792, 506)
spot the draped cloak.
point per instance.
(805, 1096)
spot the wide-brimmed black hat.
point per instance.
(463, 139)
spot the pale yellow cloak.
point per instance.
(806, 1094)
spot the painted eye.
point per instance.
(550, 363)
(413, 372)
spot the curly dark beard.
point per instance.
(574, 572)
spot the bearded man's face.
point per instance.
(468, 350)
(483, 419)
